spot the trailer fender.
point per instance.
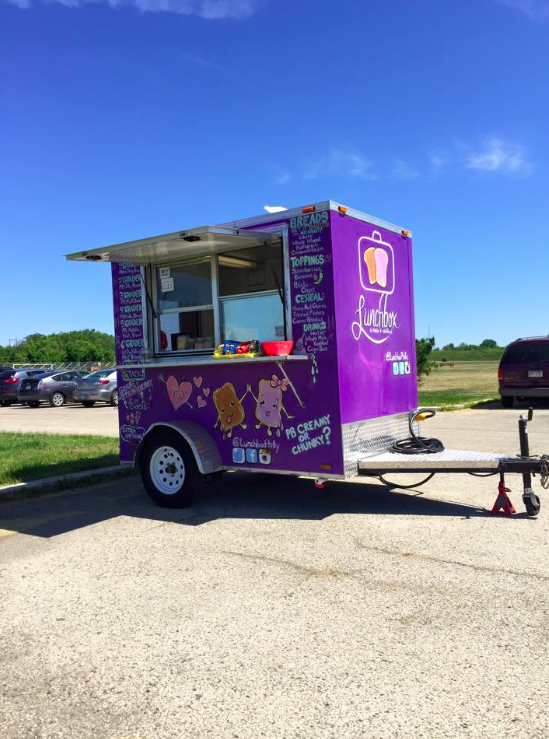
(202, 444)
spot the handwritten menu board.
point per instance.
(128, 313)
(310, 259)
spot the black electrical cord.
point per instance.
(418, 444)
(415, 444)
(484, 474)
(406, 487)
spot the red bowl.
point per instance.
(277, 348)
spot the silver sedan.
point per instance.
(97, 387)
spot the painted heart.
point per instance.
(201, 402)
(206, 392)
(197, 381)
(178, 393)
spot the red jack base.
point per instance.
(503, 502)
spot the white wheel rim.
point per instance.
(167, 470)
(57, 399)
(115, 398)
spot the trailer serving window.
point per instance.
(184, 306)
(251, 293)
(236, 294)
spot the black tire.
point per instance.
(57, 399)
(33, 404)
(507, 402)
(151, 460)
(114, 398)
(88, 403)
(4, 403)
(533, 506)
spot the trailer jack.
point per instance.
(503, 501)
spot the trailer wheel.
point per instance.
(168, 470)
(533, 505)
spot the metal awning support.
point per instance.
(174, 247)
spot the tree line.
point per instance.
(486, 344)
(71, 346)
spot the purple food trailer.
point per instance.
(335, 283)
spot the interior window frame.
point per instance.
(154, 312)
(188, 309)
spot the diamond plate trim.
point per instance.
(374, 436)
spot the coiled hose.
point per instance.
(415, 444)
(418, 444)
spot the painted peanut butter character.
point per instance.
(270, 405)
(230, 412)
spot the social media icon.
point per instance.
(239, 457)
(407, 369)
(251, 456)
(401, 368)
(395, 368)
(265, 456)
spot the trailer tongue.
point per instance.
(414, 455)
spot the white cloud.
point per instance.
(340, 163)
(499, 156)
(283, 178)
(536, 10)
(206, 63)
(403, 171)
(438, 160)
(208, 9)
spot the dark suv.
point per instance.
(524, 370)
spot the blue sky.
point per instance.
(130, 118)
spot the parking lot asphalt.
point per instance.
(272, 609)
(100, 420)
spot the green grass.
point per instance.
(25, 456)
(480, 354)
(453, 396)
(465, 382)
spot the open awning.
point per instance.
(176, 246)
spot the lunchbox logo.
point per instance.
(376, 264)
(376, 269)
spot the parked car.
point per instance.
(10, 384)
(54, 387)
(98, 387)
(524, 370)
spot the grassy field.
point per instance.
(465, 382)
(25, 456)
(479, 353)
